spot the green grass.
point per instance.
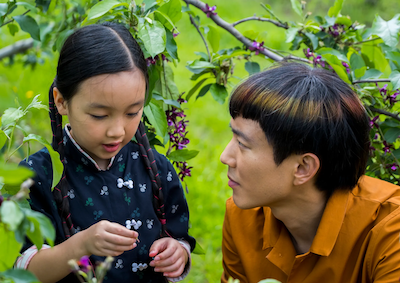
(208, 121)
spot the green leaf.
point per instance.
(3, 139)
(356, 61)
(11, 115)
(337, 66)
(391, 135)
(20, 276)
(338, 54)
(13, 29)
(3, 9)
(153, 37)
(387, 30)
(296, 6)
(343, 21)
(35, 103)
(197, 64)
(213, 37)
(269, 281)
(313, 39)
(291, 34)
(61, 38)
(157, 118)
(168, 86)
(103, 7)
(375, 55)
(203, 91)
(371, 74)
(43, 4)
(252, 67)
(219, 93)
(172, 9)
(29, 25)
(12, 174)
(360, 72)
(11, 214)
(195, 88)
(395, 79)
(167, 101)
(198, 249)
(335, 9)
(42, 223)
(56, 163)
(182, 155)
(164, 19)
(9, 248)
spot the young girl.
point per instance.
(116, 197)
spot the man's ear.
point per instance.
(60, 102)
(308, 166)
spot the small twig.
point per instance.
(361, 42)
(10, 21)
(202, 37)
(278, 24)
(387, 113)
(372, 81)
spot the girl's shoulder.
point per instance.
(39, 159)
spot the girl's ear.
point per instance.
(59, 101)
(308, 166)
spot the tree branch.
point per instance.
(255, 18)
(202, 37)
(231, 29)
(387, 113)
(10, 21)
(18, 47)
(372, 81)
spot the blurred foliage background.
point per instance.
(208, 121)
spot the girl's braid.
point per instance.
(60, 192)
(151, 166)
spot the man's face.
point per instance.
(253, 175)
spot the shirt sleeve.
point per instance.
(383, 253)
(175, 205)
(231, 261)
(25, 258)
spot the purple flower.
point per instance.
(209, 10)
(84, 263)
(386, 147)
(184, 170)
(257, 47)
(393, 166)
(373, 123)
(347, 67)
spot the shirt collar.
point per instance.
(274, 231)
(85, 159)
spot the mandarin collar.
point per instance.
(76, 153)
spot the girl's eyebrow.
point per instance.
(240, 133)
(102, 106)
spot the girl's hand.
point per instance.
(108, 239)
(170, 257)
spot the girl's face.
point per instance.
(105, 113)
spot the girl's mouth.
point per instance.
(111, 147)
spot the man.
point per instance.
(301, 209)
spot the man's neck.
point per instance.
(302, 217)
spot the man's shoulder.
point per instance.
(376, 190)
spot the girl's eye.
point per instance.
(98, 117)
(131, 115)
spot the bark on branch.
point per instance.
(232, 30)
(18, 47)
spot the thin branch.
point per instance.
(278, 24)
(202, 37)
(368, 40)
(10, 21)
(18, 47)
(372, 81)
(231, 29)
(387, 113)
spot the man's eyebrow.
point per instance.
(240, 134)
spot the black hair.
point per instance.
(303, 109)
(93, 50)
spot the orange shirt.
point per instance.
(357, 240)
